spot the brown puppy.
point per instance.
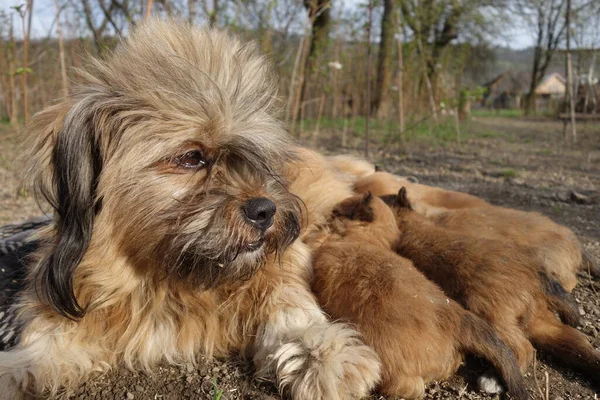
(428, 200)
(501, 283)
(556, 245)
(419, 334)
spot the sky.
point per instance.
(518, 38)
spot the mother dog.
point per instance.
(175, 228)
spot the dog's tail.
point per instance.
(560, 301)
(566, 344)
(478, 337)
(588, 264)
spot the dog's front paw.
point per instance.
(327, 362)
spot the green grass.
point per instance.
(488, 134)
(484, 112)
(387, 131)
(510, 173)
(218, 391)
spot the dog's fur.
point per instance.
(148, 164)
(419, 334)
(557, 245)
(355, 167)
(500, 282)
(427, 200)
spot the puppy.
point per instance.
(428, 200)
(556, 245)
(503, 283)
(175, 231)
(419, 334)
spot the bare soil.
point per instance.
(514, 162)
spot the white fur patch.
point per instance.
(490, 383)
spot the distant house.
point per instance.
(508, 89)
(505, 91)
(550, 92)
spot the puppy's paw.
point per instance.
(326, 362)
(490, 383)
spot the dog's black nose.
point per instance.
(260, 212)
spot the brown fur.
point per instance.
(557, 245)
(427, 200)
(419, 334)
(498, 281)
(356, 168)
(152, 260)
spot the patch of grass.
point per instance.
(484, 112)
(488, 134)
(510, 173)
(218, 391)
(387, 130)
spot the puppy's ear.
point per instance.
(76, 163)
(402, 199)
(366, 199)
(363, 210)
(355, 208)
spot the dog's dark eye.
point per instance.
(192, 159)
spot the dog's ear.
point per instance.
(76, 163)
(363, 210)
(366, 199)
(402, 199)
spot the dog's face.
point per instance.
(172, 149)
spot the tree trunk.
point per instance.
(12, 56)
(383, 59)
(4, 74)
(191, 11)
(530, 97)
(26, 31)
(401, 92)
(570, 76)
(368, 88)
(61, 50)
(319, 14)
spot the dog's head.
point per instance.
(171, 150)
(367, 215)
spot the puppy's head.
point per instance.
(171, 151)
(398, 202)
(367, 215)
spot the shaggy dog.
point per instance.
(419, 334)
(556, 245)
(175, 229)
(503, 283)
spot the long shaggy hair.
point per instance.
(503, 283)
(419, 334)
(175, 229)
(557, 245)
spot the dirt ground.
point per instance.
(518, 163)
